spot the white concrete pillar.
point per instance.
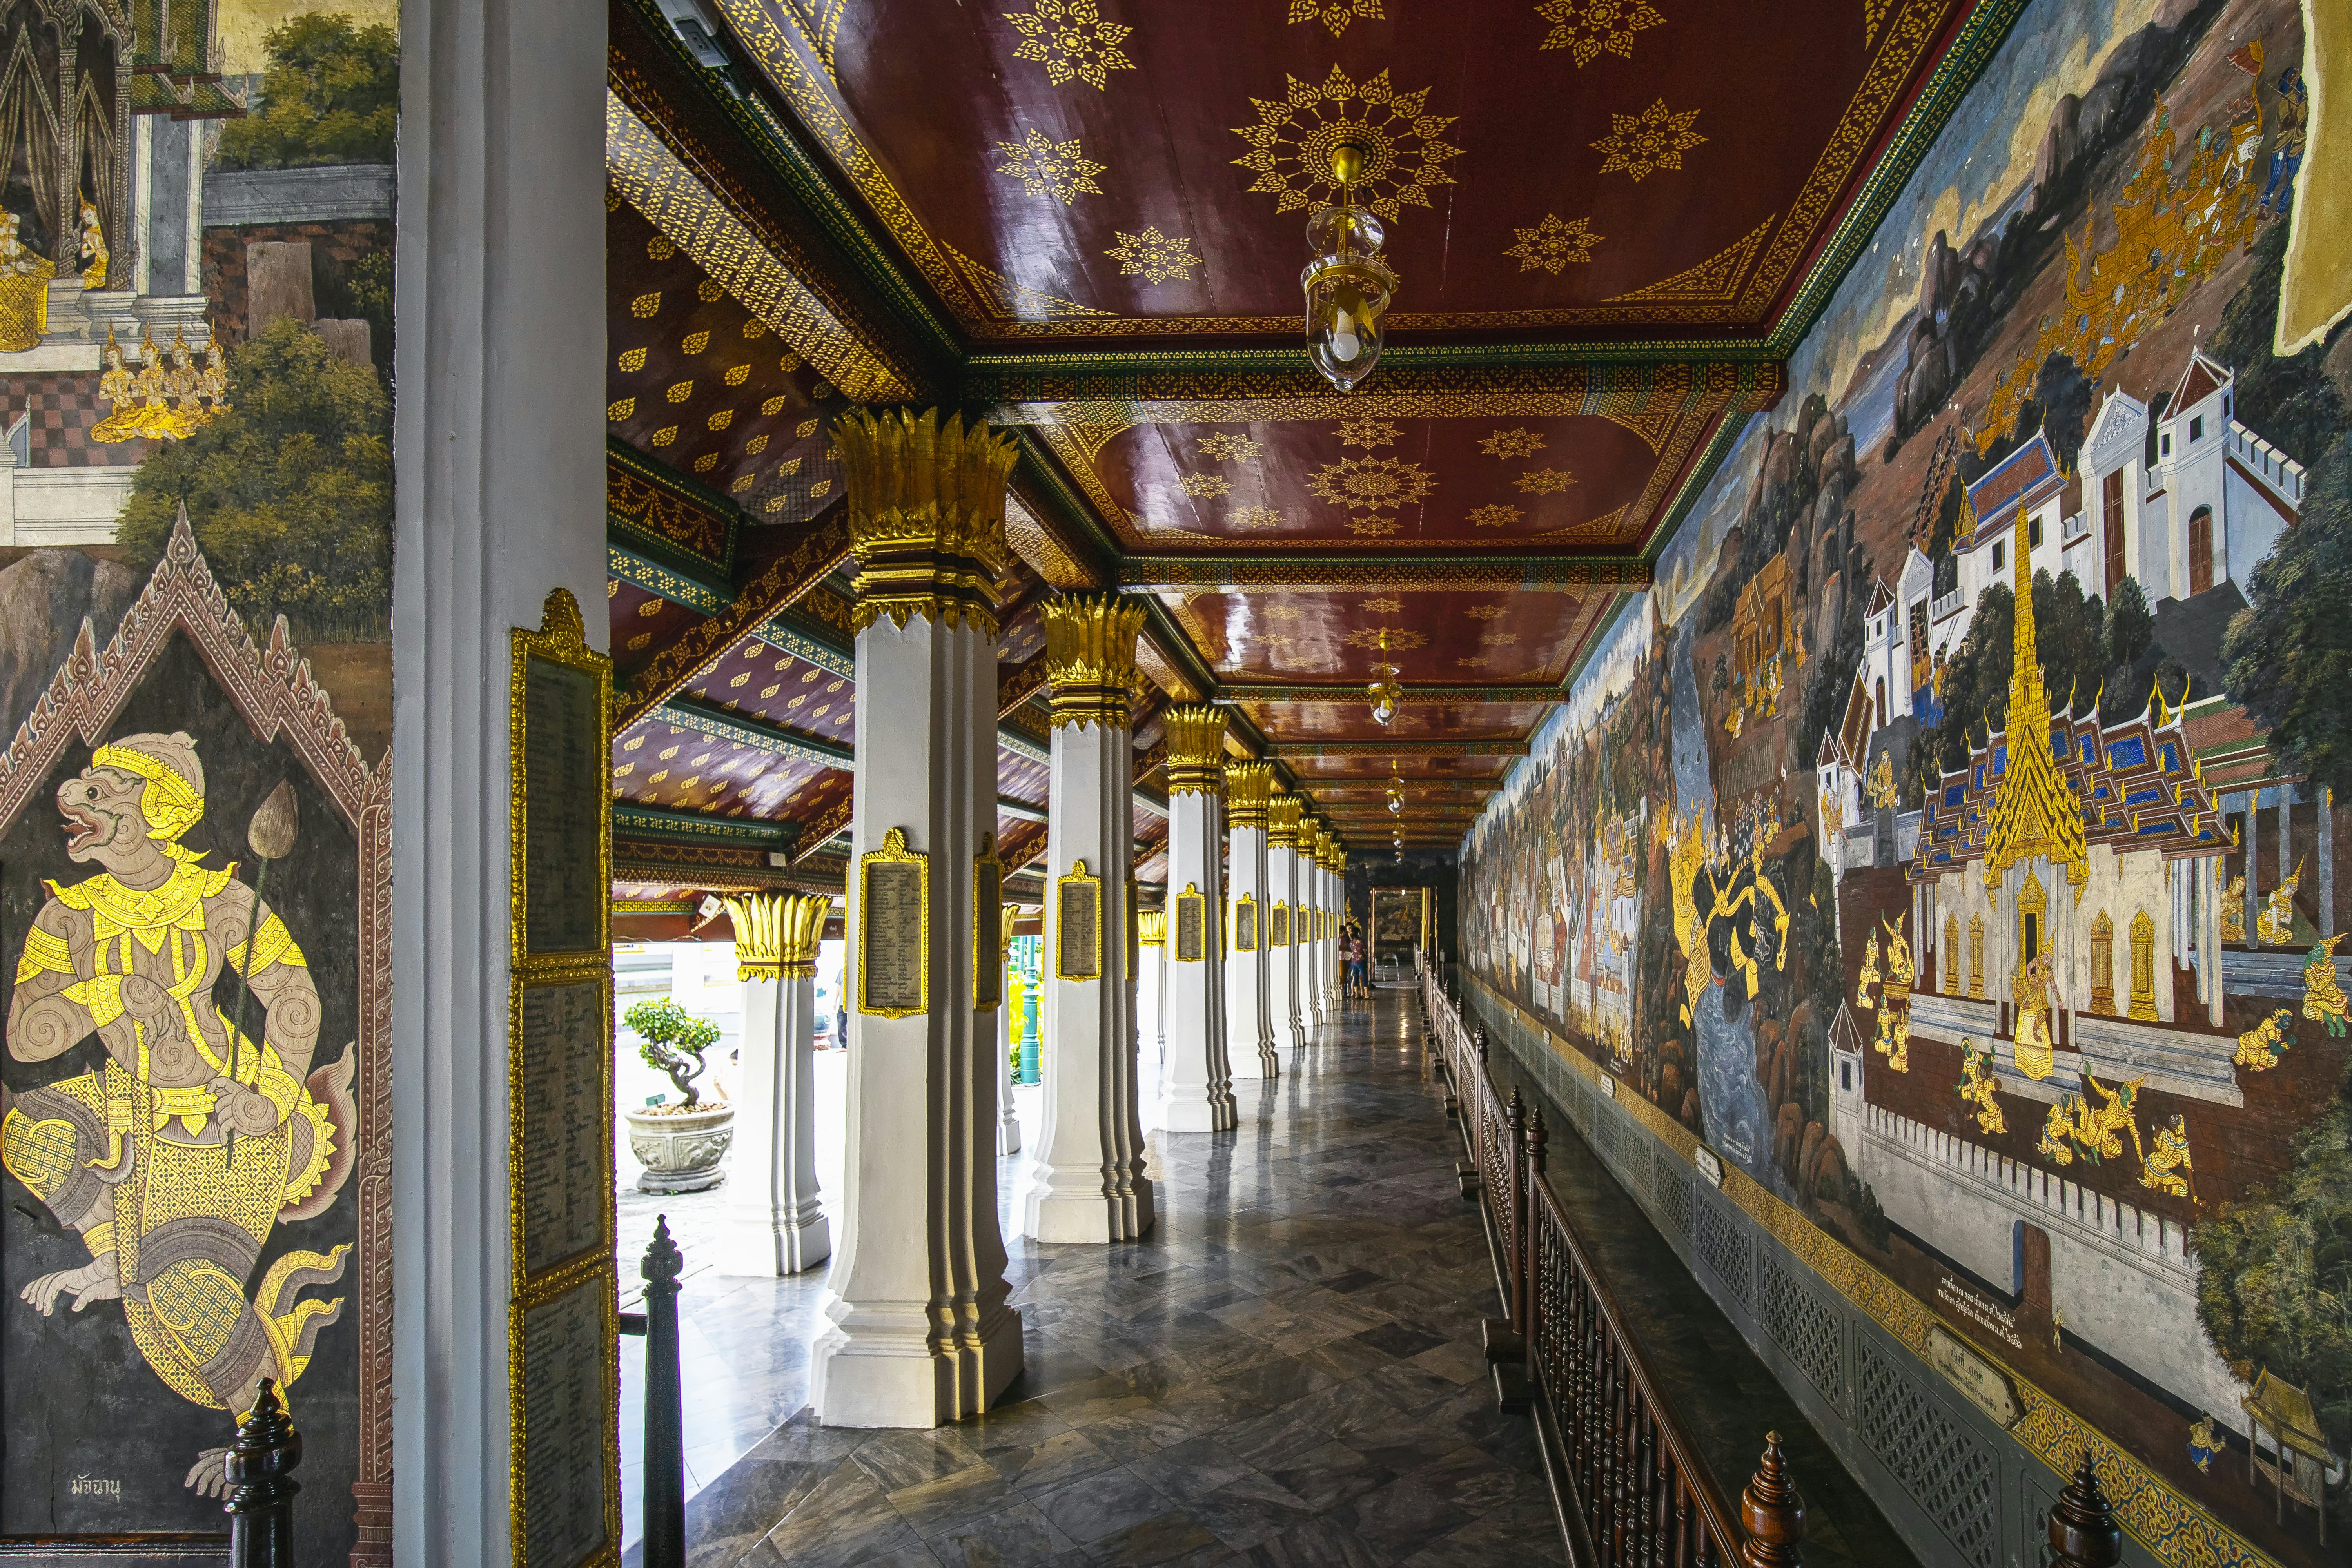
(1008, 1118)
(921, 1334)
(1152, 986)
(1332, 987)
(1249, 982)
(1089, 1183)
(1282, 949)
(497, 461)
(1196, 1081)
(1308, 847)
(775, 1223)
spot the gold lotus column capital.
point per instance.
(926, 515)
(776, 934)
(1090, 658)
(1196, 749)
(1282, 811)
(1247, 786)
(1151, 930)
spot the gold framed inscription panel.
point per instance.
(1078, 924)
(1280, 935)
(1245, 923)
(894, 929)
(1190, 931)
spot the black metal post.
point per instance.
(665, 1408)
(260, 1469)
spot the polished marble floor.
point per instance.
(1285, 1372)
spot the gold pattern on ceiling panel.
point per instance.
(1201, 487)
(1546, 481)
(1515, 443)
(650, 177)
(1495, 516)
(633, 360)
(1370, 484)
(1295, 135)
(1641, 144)
(1225, 447)
(1072, 41)
(1049, 168)
(1715, 280)
(1400, 639)
(1585, 28)
(1157, 256)
(1335, 13)
(1553, 244)
(1366, 432)
(1256, 517)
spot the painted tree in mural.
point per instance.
(330, 95)
(289, 489)
(2290, 650)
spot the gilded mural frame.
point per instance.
(893, 852)
(560, 640)
(1076, 878)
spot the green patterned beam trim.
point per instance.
(793, 634)
(704, 719)
(660, 822)
(698, 594)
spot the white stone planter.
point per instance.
(681, 1150)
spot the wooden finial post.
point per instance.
(1772, 1511)
(1537, 1138)
(260, 1469)
(2082, 1529)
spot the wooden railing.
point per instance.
(1631, 1488)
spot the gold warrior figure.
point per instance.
(136, 1155)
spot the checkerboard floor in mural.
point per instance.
(60, 410)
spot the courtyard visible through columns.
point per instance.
(1087, 1184)
(920, 1332)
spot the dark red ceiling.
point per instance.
(1434, 637)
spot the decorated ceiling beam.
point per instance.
(701, 718)
(1346, 574)
(661, 824)
(1398, 749)
(1352, 691)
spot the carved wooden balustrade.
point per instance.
(1628, 1482)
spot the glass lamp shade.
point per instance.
(1385, 695)
(1348, 288)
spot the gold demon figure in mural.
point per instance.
(174, 1160)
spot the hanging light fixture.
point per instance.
(1385, 693)
(1396, 791)
(1348, 286)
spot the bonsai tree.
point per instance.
(672, 1039)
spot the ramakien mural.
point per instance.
(1949, 839)
(195, 557)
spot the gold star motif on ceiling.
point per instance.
(1203, 486)
(1256, 517)
(1643, 143)
(1366, 432)
(1381, 606)
(1507, 443)
(1586, 27)
(1156, 256)
(1375, 526)
(1335, 13)
(1495, 516)
(1293, 139)
(1370, 484)
(1049, 168)
(1229, 449)
(1546, 481)
(1487, 611)
(1072, 41)
(1552, 245)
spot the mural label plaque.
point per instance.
(1245, 925)
(564, 763)
(890, 940)
(1077, 930)
(564, 1031)
(569, 1411)
(1191, 927)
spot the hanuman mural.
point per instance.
(176, 1157)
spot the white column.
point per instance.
(499, 478)
(1307, 848)
(1153, 952)
(1330, 884)
(1008, 1118)
(920, 1332)
(1282, 956)
(774, 1224)
(1196, 1081)
(1089, 1183)
(1249, 984)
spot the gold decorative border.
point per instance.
(987, 945)
(1255, 925)
(560, 640)
(1076, 876)
(2175, 1528)
(893, 852)
(1176, 924)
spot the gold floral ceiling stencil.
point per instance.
(1366, 432)
(1515, 442)
(1546, 481)
(1495, 516)
(1715, 280)
(1370, 484)
(1049, 168)
(1335, 13)
(1157, 257)
(1291, 144)
(1487, 611)
(1225, 447)
(1401, 640)
(1641, 144)
(1381, 606)
(1006, 301)
(1374, 526)
(1204, 486)
(1256, 517)
(1588, 27)
(1553, 244)
(1071, 40)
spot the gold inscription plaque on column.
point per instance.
(894, 929)
(1245, 923)
(1078, 925)
(1192, 924)
(565, 1035)
(1281, 936)
(987, 926)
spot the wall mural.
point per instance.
(1947, 839)
(196, 514)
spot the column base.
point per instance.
(877, 1367)
(1008, 1132)
(1252, 1064)
(1196, 1111)
(1093, 1212)
(986, 1364)
(1298, 1036)
(762, 1248)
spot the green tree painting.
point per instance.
(331, 94)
